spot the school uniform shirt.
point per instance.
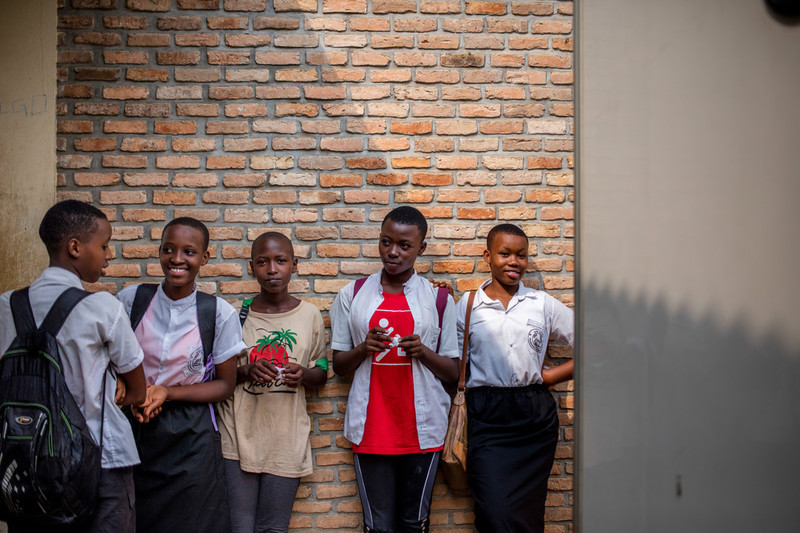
(266, 427)
(97, 332)
(507, 346)
(349, 326)
(172, 345)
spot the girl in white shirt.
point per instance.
(180, 483)
(513, 424)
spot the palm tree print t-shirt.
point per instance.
(264, 431)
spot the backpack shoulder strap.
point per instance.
(61, 309)
(21, 311)
(207, 320)
(245, 310)
(441, 303)
(144, 295)
(357, 286)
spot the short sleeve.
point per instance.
(341, 339)
(448, 343)
(562, 322)
(123, 347)
(228, 336)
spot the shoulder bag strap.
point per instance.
(462, 367)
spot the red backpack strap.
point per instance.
(357, 286)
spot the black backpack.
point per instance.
(49, 461)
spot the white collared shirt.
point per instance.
(507, 346)
(96, 332)
(172, 345)
(349, 327)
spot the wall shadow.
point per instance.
(684, 425)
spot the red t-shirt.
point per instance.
(391, 424)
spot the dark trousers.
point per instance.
(396, 490)
(260, 503)
(512, 435)
(115, 511)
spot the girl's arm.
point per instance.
(345, 362)
(243, 373)
(211, 391)
(444, 368)
(558, 374)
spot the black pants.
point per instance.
(396, 490)
(512, 435)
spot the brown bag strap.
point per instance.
(462, 367)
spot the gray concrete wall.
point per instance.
(27, 134)
(688, 127)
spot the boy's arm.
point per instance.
(215, 390)
(315, 377)
(134, 385)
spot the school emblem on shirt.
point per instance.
(194, 363)
(275, 347)
(536, 339)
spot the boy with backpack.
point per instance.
(88, 344)
(401, 345)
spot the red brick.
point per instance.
(143, 144)
(178, 161)
(195, 180)
(146, 179)
(95, 179)
(174, 197)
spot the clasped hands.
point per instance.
(264, 372)
(378, 341)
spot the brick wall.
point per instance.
(314, 118)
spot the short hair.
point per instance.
(410, 216)
(275, 236)
(66, 220)
(507, 229)
(192, 223)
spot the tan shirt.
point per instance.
(266, 429)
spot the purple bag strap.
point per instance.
(357, 286)
(441, 303)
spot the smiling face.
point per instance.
(508, 258)
(399, 246)
(181, 253)
(93, 254)
(273, 264)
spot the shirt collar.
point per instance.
(62, 275)
(183, 303)
(522, 293)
